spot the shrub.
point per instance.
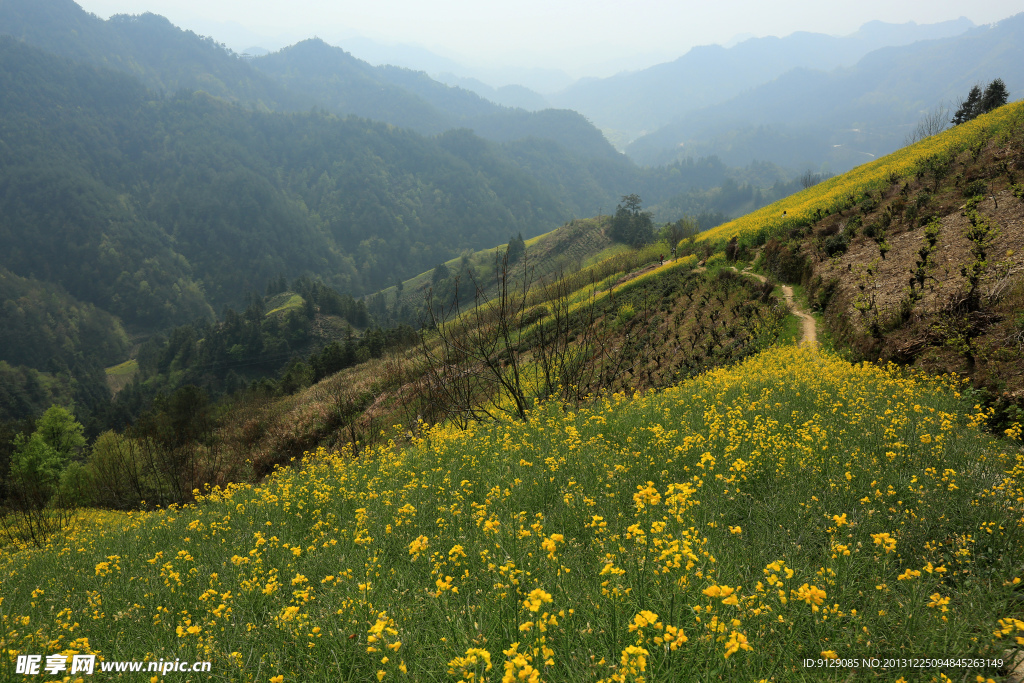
(975, 188)
(836, 244)
(715, 260)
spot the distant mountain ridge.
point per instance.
(845, 116)
(340, 82)
(711, 74)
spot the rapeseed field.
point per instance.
(793, 507)
(841, 192)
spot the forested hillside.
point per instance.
(161, 210)
(209, 191)
(152, 182)
(53, 348)
(309, 74)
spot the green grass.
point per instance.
(792, 327)
(775, 505)
(129, 367)
(284, 302)
(121, 375)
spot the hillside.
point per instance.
(561, 251)
(731, 526)
(161, 210)
(306, 75)
(915, 257)
(164, 57)
(627, 471)
(150, 166)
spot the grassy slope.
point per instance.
(664, 341)
(749, 518)
(567, 248)
(840, 191)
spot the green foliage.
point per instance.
(38, 460)
(631, 225)
(836, 244)
(975, 188)
(996, 95)
(977, 103)
(925, 265)
(980, 233)
(35, 465)
(54, 347)
(61, 432)
(441, 272)
(784, 262)
(516, 248)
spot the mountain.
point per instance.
(848, 115)
(508, 95)
(308, 74)
(339, 82)
(164, 57)
(105, 176)
(712, 74)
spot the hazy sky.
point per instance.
(574, 35)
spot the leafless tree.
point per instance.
(516, 343)
(933, 123)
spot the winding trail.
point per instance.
(810, 326)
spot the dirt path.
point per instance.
(810, 326)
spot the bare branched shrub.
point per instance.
(933, 123)
(527, 340)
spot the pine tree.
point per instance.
(995, 96)
(441, 272)
(969, 108)
(516, 248)
(631, 225)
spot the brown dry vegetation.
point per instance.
(931, 327)
(677, 326)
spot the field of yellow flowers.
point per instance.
(841, 191)
(793, 507)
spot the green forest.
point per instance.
(127, 213)
(175, 218)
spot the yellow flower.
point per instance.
(418, 546)
(537, 598)
(887, 542)
(736, 642)
(812, 595)
(465, 666)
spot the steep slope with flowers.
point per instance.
(791, 507)
(915, 257)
